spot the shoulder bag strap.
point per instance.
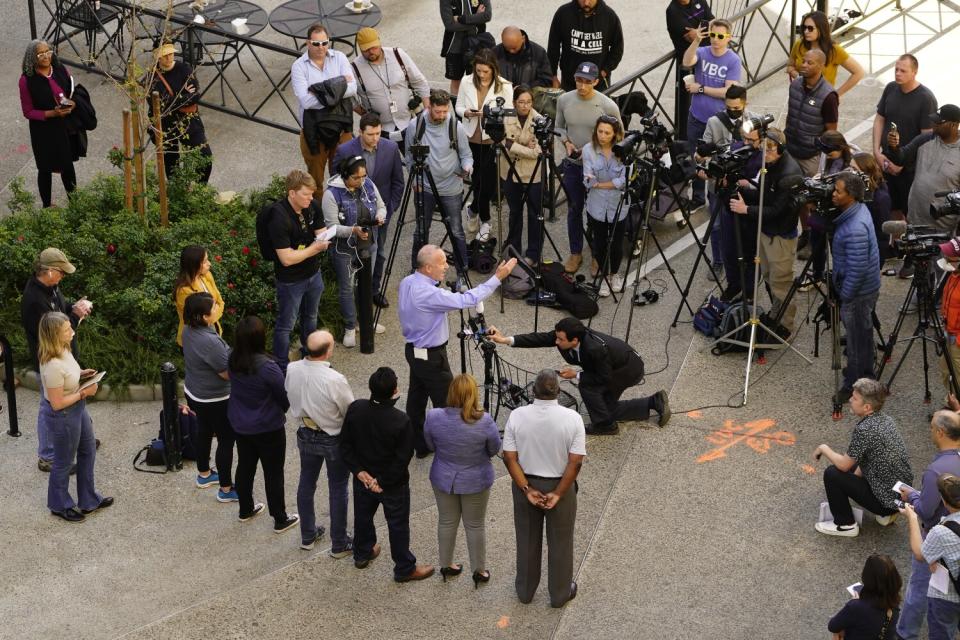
(356, 72)
(166, 84)
(396, 54)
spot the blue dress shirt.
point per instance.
(423, 307)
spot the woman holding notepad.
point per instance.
(70, 425)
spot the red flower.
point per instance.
(233, 233)
(268, 305)
(20, 238)
(245, 251)
(230, 285)
(218, 258)
(216, 243)
(232, 311)
(111, 248)
(253, 262)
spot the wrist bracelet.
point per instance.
(525, 488)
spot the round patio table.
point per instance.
(294, 17)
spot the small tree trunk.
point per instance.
(127, 163)
(161, 169)
(139, 191)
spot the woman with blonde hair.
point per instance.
(463, 438)
(70, 425)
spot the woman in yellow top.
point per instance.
(816, 35)
(195, 277)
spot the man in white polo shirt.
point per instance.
(543, 447)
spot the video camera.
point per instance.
(949, 207)
(721, 161)
(916, 240)
(543, 129)
(493, 116)
(419, 153)
(654, 135)
(820, 191)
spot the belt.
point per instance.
(436, 348)
(528, 476)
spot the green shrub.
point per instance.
(127, 267)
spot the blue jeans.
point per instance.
(396, 510)
(44, 439)
(914, 606)
(452, 209)
(315, 447)
(72, 433)
(857, 317)
(695, 130)
(942, 618)
(572, 182)
(295, 300)
(514, 194)
(345, 265)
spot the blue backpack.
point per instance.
(708, 317)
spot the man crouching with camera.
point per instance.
(778, 230)
(855, 276)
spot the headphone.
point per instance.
(347, 166)
(781, 146)
(646, 297)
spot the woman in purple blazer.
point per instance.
(464, 438)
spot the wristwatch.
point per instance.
(700, 90)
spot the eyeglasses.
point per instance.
(45, 53)
(720, 36)
(320, 43)
(523, 102)
(809, 27)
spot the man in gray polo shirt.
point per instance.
(543, 448)
(577, 113)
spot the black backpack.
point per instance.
(569, 294)
(264, 218)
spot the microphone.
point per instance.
(894, 227)
(475, 314)
(941, 194)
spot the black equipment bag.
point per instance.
(480, 256)
(569, 295)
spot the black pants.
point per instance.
(484, 179)
(514, 193)
(528, 524)
(396, 510)
(184, 133)
(600, 233)
(604, 404)
(269, 449)
(841, 486)
(45, 183)
(681, 100)
(429, 379)
(212, 421)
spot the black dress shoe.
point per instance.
(381, 300)
(661, 404)
(97, 442)
(70, 515)
(597, 430)
(106, 502)
(573, 594)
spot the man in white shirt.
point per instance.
(319, 397)
(319, 64)
(543, 448)
(389, 82)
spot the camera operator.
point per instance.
(950, 308)
(609, 366)
(449, 161)
(857, 280)
(935, 159)
(723, 130)
(390, 84)
(778, 232)
(352, 203)
(523, 149)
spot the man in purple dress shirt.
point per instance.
(423, 311)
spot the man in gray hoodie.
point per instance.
(448, 162)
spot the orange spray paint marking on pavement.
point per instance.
(696, 415)
(503, 622)
(749, 433)
(808, 469)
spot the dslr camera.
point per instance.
(949, 207)
(493, 116)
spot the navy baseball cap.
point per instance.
(587, 71)
(947, 113)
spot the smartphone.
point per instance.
(893, 126)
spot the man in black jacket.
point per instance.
(42, 295)
(584, 31)
(522, 61)
(609, 366)
(684, 19)
(377, 443)
(778, 230)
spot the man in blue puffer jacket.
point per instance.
(856, 277)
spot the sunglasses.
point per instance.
(607, 119)
(809, 27)
(45, 53)
(720, 36)
(320, 43)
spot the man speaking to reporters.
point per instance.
(609, 366)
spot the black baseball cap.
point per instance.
(947, 113)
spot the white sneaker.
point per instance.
(832, 529)
(638, 248)
(616, 283)
(473, 220)
(380, 328)
(484, 233)
(350, 338)
(604, 289)
(886, 521)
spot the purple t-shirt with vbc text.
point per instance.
(713, 71)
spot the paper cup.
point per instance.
(689, 78)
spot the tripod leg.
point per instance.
(399, 221)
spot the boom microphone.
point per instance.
(894, 227)
(941, 194)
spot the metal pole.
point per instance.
(161, 168)
(32, 12)
(9, 383)
(172, 441)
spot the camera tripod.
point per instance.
(418, 181)
(928, 322)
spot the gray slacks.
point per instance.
(528, 522)
(472, 507)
